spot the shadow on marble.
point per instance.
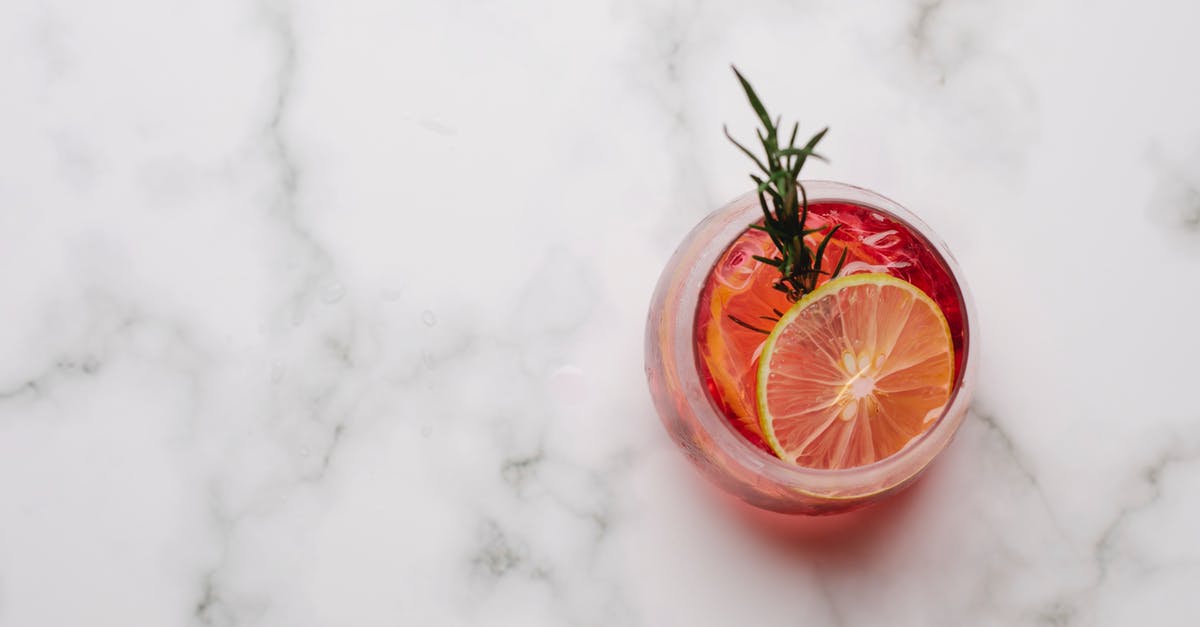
(851, 536)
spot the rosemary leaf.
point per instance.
(755, 103)
(825, 242)
(748, 325)
(838, 269)
(747, 151)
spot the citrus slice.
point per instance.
(853, 372)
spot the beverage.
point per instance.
(739, 294)
(808, 345)
(707, 336)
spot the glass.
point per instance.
(702, 428)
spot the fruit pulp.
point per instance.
(739, 291)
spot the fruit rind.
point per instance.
(825, 290)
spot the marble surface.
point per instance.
(330, 313)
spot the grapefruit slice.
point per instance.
(853, 372)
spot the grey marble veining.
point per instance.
(331, 313)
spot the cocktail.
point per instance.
(809, 344)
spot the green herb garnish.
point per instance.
(785, 204)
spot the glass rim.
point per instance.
(820, 481)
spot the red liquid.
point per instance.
(727, 353)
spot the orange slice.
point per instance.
(853, 372)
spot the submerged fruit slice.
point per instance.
(854, 371)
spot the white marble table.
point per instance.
(330, 313)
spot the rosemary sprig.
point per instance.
(784, 203)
